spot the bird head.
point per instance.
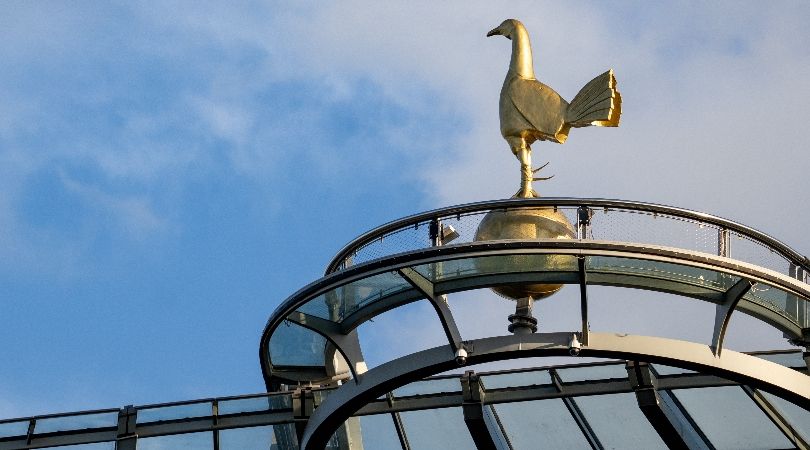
(506, 28)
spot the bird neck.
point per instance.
(521, 63)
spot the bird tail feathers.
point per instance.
(597, 103)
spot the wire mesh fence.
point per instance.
(637, 224)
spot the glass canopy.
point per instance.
(593, 405)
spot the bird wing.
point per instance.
(540, 105)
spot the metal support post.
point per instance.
(583, 298)
(723, 242)
(584, 215)
(522, 321)
(484, 429)
(303, 403)
(127, 438)
(435, 233)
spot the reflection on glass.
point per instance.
(189, 441)
(79, 422)
(618, 422)
(432, 386)
(662, 271)
(243, 405)
(257, 438)
(589, 373)
(379, 432)
(294, 345)
(432, 429)
(18, 428)
(513, 379)
(774, 299)
(484, 265)
(174, 412)
(796, 416)
(730, 418)
(540, 424)
(339, 303)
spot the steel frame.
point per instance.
(424, 289)
(756, 372)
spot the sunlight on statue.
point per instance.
(531, 111)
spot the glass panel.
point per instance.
(694, 276)
(433, 386)
(253, 404)
(456, 268)
(618, 422)
(189, 441)
(257, 438)
(773, 298)
(294, 345)
(339, 303)
(19, 428)
(436, 428)
(379, 432)
(792, 359)
(95, 446)
(661, 369)
(730, 418)
(589, 373)
(798, 417)
(540, 424)
(174, 412)
(78, 422)
(516, 379)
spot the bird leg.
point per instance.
(524, 155)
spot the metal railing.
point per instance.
(597, 219)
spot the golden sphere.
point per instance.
(526, 224)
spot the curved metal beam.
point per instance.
(750, 370)
(571, 247)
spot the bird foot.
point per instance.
(540, 168)
(526, 193)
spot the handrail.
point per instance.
(410, 221)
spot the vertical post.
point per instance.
(435, 232)
(583, 298)
(723, 243)
(215, 420)
(303, 403)
(584, 215)
(126, 438)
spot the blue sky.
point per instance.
(171, 171)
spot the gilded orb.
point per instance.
(526, 224)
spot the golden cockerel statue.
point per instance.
(531, 111)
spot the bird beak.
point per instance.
(494, 32)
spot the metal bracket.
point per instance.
(723, 312)
(348, 344)
(425, 286)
